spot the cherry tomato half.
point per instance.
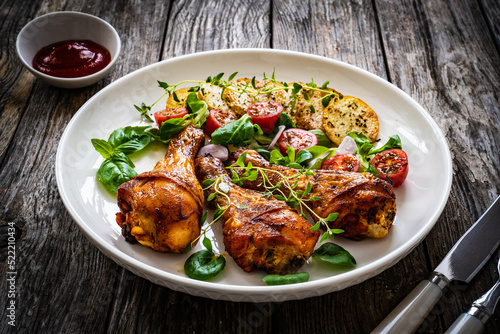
(169, 113)
(392, 164)
(298, 139)
(217, 118)
(265, 114)
(346, 162)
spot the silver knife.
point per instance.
(461, 263)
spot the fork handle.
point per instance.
(466, 324)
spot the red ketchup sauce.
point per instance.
(71, 59)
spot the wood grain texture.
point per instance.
(328, 28)
(444, 54)
(440, 55)
(212, 25)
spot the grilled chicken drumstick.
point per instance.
(365, 203)
(161, 209)
(259, 233)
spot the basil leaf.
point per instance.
(129, 139)
(294, 165)
(286, 279)
(115, 171)
(359, 138)
(275, 157)
(236, 132)
(103, 147)
(265, 153)
(170, 128)
(322, 138)
(283, 119)
(204, 265)
(333, 253)
(302, 156)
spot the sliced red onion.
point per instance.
(216, 151)
(281, 128)
(348, 145)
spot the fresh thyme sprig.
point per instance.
(285, 190)
(220, 188)
(298, 91)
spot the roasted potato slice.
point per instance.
(239, 101)
(181, 95)
(212, 95)
(302, 115)
(346, 113)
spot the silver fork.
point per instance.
(481, 310)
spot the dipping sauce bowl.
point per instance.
(67, 26)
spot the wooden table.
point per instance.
(445, 54)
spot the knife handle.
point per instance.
(466, 324)
(409, 314)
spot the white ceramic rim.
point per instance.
(261, 293)
(69, 80)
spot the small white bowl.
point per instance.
(61, 26)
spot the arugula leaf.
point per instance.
(237, 132)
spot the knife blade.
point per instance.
(462, 262)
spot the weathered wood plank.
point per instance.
(342, 30)
(444, 54)
(196, 26)
(62, 278)
(440, 54)
(13, 98)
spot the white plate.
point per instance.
(420, 200)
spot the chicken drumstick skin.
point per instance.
(365, 203)
(259, 233)
(161, 209)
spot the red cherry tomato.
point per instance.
(217, 118)
(392, 164)
(298, 139)
(169, 113)
(265, 114)
(346, 162)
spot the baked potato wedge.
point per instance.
(347, 113)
